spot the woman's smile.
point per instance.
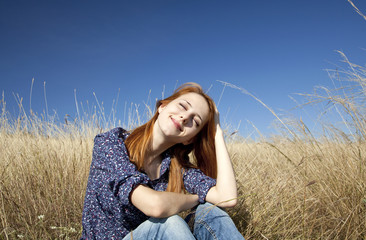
(176, 124)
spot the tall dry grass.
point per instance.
(296, 185)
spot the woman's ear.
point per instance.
(161, 107)
(192, 140)
(188, 142)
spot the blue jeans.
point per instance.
(210, 222)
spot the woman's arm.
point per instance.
(225, 188)
(161, 204)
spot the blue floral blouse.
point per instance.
(108, 212)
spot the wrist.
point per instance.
(219, 132)
(194, 197)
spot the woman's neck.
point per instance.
(153, 157)
(159, 143)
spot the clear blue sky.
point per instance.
(273, 49)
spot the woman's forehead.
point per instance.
(196, 101)
(193, 98)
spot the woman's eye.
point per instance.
(196, 122)
(182, 106)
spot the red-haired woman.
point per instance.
(140, 181)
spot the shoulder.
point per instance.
(114, 134)
(195, 176)
(196, 182)
(109, 150)
(188, 172)
(110, 140)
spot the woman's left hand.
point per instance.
(217, 121)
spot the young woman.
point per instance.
(140, 181)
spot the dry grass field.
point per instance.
(292, 186)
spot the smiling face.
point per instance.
(181, 119)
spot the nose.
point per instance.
(184, 118)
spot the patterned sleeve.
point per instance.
(112, 161)
(196, 182)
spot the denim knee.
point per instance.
(212, 222)
(173, 227)
(209, 210)
(174, 220)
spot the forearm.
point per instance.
(174, 203)
(226, 182)
(161, 204)
(225, 188)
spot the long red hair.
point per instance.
(202, 146)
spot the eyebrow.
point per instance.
(191, 106)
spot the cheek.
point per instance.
(195, 132)
(160, 119)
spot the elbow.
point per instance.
(222, 199)
(232, 203)
(150, 202)
(228, 203)
(155, 207)
(155, 213)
